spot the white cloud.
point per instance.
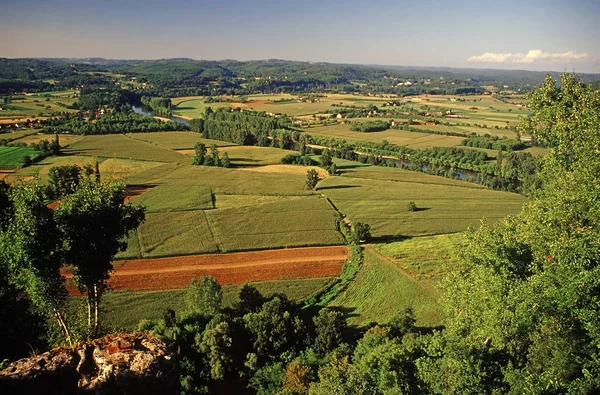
(534, 55)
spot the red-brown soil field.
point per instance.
(233, 268)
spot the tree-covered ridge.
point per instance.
(182, 77)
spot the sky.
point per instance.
(501, 34)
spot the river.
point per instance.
(146, 111)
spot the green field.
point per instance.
(177, 140)
(394, 136)
(426, 257)
(296, 222)
(34, 105)
(442, 208)
(380, 290)
(176, 197)
(123, 310)
(110, 168)
(14, 156)
(122, 146)
(253, 156)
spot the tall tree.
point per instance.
(93, 222)
(30, 247)
(522, 311)
(204, 296)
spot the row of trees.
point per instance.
(159, 105)
(118, 122)
(493, 142)
(241, 127)
(371, 126)
(210, 159)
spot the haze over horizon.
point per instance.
(534, 35)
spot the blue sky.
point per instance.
(525, 34)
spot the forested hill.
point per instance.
(176, 77)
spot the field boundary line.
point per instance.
(211, 229)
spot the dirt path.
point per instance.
(234, 268)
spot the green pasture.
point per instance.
(35, 105)
(394, 136)
(371, 172)
(174, 233)
(380, 290)
(122, 146)
(442, 208)
(254, 156)
(175, 197)
(425, 257)
(115, 169)
(225, 181)
(177, 140)
(299, 222)
(14, 156)
(123, 310)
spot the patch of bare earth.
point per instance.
(233, 268)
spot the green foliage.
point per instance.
(93, 223)
(273, 330)
(204, 296)
(64, 180)
(411, 206)
(159, 105)
(329, 327)
(200, 157)
(362, 231)
(522, 311)
(33, 253)
(109, 124)
(298, 159)
(312, 178)
(493, 142)
(372, 126)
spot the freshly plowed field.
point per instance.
(234, 268)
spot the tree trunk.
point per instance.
(96, 303)
(90, 301)
(63, 325)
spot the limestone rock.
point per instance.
(116, 364)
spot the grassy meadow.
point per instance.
(123, 310)
(37, 105)
(381, 289)
(442, 208)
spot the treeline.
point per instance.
(246, 128)
(159, 105)
(512, 171)
(32, 75)
(109, 124)
(493, 142)
(372, 126)
(92, 99)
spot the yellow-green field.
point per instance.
(442, 208)
(394, 136)
(42, 105)
(123, 310)
(381, 290)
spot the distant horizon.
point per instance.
(410, 67)
(535, 35)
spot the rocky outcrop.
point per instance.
(116, 364)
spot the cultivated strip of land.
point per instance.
(234, 268)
